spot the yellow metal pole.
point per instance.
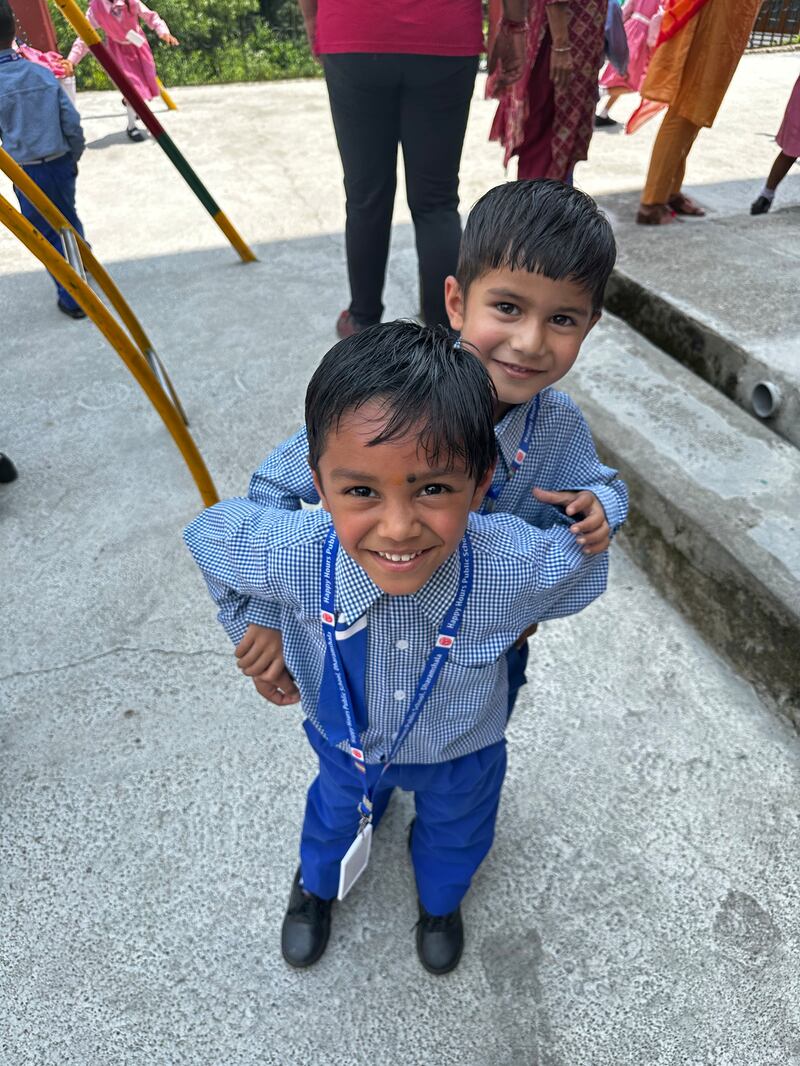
(165, 96)
(48, 209)
(118, 339)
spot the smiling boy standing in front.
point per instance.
(396, 605)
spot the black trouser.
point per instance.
(421, 102)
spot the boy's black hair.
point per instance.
(543, 227)
(8, 25)
(428, 387)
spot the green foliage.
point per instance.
(220, 41)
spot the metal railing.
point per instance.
(778, 22)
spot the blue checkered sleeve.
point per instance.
(245, 550)
(283, 480)
(579, 463)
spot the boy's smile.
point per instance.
(396, 515)
(525, 328)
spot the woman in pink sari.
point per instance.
(119, 21)
(547, 117)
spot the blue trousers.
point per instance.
(56, 179)
(456, 806)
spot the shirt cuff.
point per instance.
(263, 613)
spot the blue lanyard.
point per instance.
(519, 456)
(430, 674)
(10, 58)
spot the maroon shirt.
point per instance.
(417, 27)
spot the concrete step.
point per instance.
(714, 515)
(722, 295)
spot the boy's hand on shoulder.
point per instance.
(260, 655)
(591, 529)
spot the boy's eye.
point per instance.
(506, 308)
(361, 492)
(435, 490)
(562, 320)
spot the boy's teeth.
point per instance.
(395, 558)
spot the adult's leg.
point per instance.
(437, 91)
(454, 828)
(56, 179)
(364, 94)
(668, 159)
(535, 153)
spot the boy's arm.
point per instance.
(71, 125)
(237, 545)
(283, 480)
(544, 571)
(581, 468)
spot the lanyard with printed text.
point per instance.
(519, 456)
(12, 58)
(430, 674)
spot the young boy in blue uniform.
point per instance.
(41, 130)
(535, 259)
(397, 605)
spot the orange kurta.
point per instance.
(691, 72)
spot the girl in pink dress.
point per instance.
(788, 138)
(641, 29)
(119, 21)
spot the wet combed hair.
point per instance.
(428, 387)
(543, 227)
(8, 25)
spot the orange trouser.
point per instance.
(668, 161)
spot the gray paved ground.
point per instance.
(640, 904)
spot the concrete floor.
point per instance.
(639, 905)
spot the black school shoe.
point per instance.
(134, 133)
(71, 312)
(760, 205)
(306, 926)
(440, 940)
(8, 472)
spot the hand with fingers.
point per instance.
(591, 528)
(260, 655)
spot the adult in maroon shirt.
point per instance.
(403, 72)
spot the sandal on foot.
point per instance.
(655, 215)
(685, 205)
(135, 134)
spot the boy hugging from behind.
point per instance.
(397, 603)
(535, 259)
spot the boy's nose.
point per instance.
(528, 339)
(398, 523)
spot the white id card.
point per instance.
(135, 38)
(355, 861)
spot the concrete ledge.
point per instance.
(701, 348)
(713, 493)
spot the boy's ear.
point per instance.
(482, 488)
(318, 486)
(454, 303)
(596, 316)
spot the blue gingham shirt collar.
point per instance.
(356, 592)
(509, 429)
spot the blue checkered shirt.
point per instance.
(561, 457)
(521, 575)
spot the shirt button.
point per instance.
(401, 645)
(399, 695)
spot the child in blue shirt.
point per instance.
(535, 259)
(396, 604)
(41, 131)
